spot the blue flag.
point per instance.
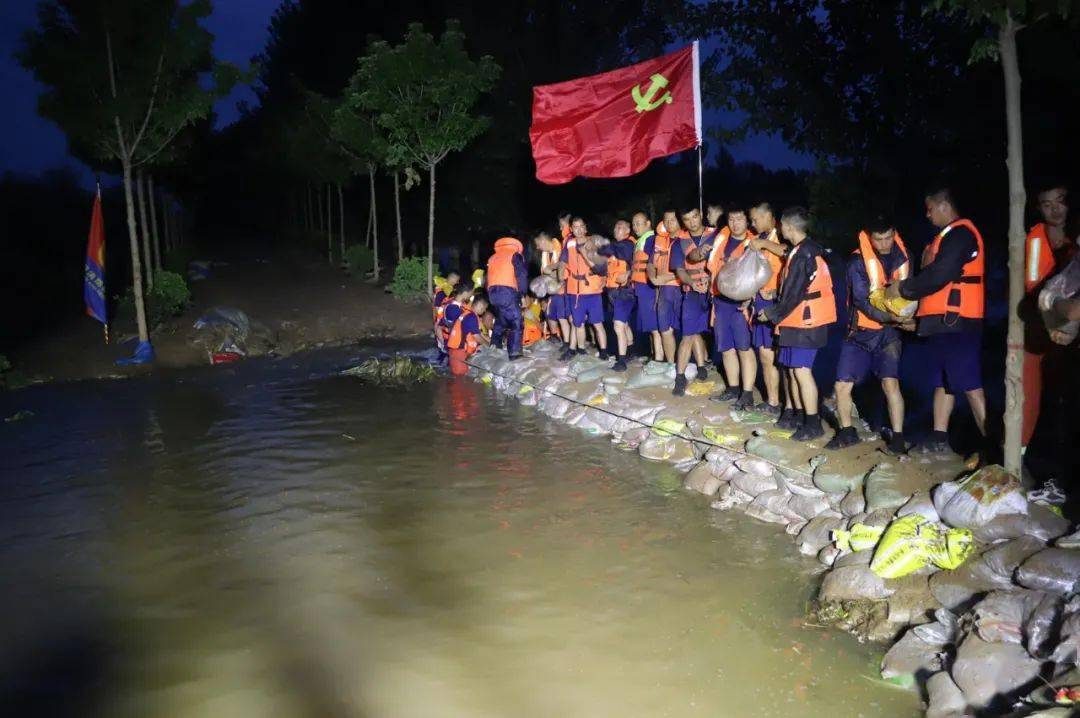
(94, 274)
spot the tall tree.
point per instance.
(1008, 17)
(124, 78)
(421, 93)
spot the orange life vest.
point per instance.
(775, 263)
(615, 267)
(531, 333)
(875, 271)
(966, 296)
(580, 278)
(640, 273)
(500, 268)
(818, 306)
(548, 259)
(697, 271)
(662, 259)
(717, 258)
(456, 340)
(1039, 259)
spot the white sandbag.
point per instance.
(911, 658)
(755, 466)
(701, 480)
(742, 278)
(920, 503)
(999, 617)
(854, 502)
(853, 583)
(761, 512)
(1054, 570)
(1070, 541)
(944, 698)
(592, 375)
(828, 555)
(645, 379)
(944, 629)
(807, 507)
(728, 497)
(794, 528)
(987, 673)
(775, 501)
(634, 437)
(1039, 522)
(752, 484)
(656, 448)
(979, 498)
(817, 534)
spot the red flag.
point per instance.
(615, 123)
(94, 268)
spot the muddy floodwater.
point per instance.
(268, 539)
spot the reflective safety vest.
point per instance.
(966, 296)
(818, 306)
(640, 272)
(580, 278)
(775, 263)
(717, 258)
(456, 340)
(615, 268)
(875, 271)
(662, 259)
(500, 268)
(440, 308)
(699, 276)
(1039, 259)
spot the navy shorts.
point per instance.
(955, 360)
(669, 308)
(645, 296)
(622, 305)
(796, 357)
(586, 309)
(557, 307)
(730, 328)
(764, 332)
(856, 361)
(695, 313)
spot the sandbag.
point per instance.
(988, 673)
(1039, 522)
(884, 489)
(944, 698)
(911, 542)
(752, 484)
(1064, 285)
(828, 555)
(775, 501)
(744, 277)
(647, 379)
(807, 507)
(1070, 541)
(979, 498)
(852, 583)
(762, 507)
(543, 286)
(655, 448)
(755, 466)
(1054, 570)
(943, 629)
(1039, 625)
(960, 589)
(911, 658)
(817, 534)
(919, 503)
(999, 617)
(701, 480)
(998, 563)
(854, 502)
(1067, 650)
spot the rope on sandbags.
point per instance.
(747, 454)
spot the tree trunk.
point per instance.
(329, 226)
(136, 265)
(431, 231)
(370, 218)
(153, 222)
(341, 220)
(397, 214)
(165, 223)
(147, 258)
(1014, 355)
(318, 211)
(374, 225)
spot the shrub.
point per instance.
(410, 278)
(168, 298)
(359, 260)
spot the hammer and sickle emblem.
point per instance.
(646, 102)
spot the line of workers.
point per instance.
(660, 281)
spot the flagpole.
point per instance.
(697, 123)
(700, 186)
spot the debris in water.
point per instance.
(399, 371)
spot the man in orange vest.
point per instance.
(549, 249)
(689, 261)
(465, 335)
(619, 291)
(873, 340)
(731, 325)
(507, 282)
(1047, 249)
(584, 290)
(763, 336)
(668, 291)
(951, 293)
(644, 291)
(802, 314)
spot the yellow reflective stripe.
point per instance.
(1033, 259)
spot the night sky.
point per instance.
(29, 144)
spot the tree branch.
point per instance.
(153, 97)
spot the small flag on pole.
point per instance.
(94, 274)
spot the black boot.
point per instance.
(897, 444)
(680, 386)
(936, 442)
(811, 429)
(745, 401)
(620, 364)
(844, 438)
(702, 374)
(732, 392)
(603, 355)
(789, 419)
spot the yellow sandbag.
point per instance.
(859, 538)
(598, 400)
(701, 388)
(478, 278)
(442, 284)
(525, 389)
(713, 434)
(897, 306)
(902, 549)
(951, 548)
(668, 427)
